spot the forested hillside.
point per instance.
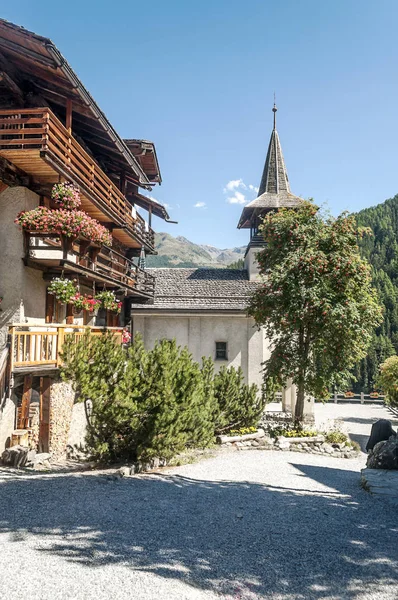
(381, 249)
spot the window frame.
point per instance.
(225, 350)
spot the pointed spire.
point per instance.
(274, 191)
(274, 179)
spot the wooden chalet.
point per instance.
(52, 131)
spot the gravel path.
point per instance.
(241, 525)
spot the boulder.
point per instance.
(384, 455)
(16, 456)
(124, 471)
(381, 431)
(283, 443)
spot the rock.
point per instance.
(31, 457)
(42, 457)
(255, 444)
(132, 470)
(384, 455)
(124, 471)
(162, 462)
(16, 456)
(155, 463)
(283, 444)
(327, 448)
(381, 431)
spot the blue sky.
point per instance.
(198, 78)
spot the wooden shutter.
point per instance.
(69, 314)
(50, 308)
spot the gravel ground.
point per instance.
(240, 525)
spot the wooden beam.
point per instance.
(10, 84)
(11, 175)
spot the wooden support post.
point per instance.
(150, 216)
(26, 398)
(44, 427)
(362, 398)
(335, 397)
(68, 120)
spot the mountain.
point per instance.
(381, 250)
(180, 252)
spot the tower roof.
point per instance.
(274, 191)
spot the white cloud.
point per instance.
(233, 185)
(238, 198)
(200, 205)
(237, 187)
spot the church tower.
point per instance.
(274, 193)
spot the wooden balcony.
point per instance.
(37, 346)
(89, 263)
(38, 143)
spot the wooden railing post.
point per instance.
(12, 349)
(60, 343)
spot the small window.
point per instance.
(221, 351)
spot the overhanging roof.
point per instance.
(38, 68)
(150, 204)
(145, 152)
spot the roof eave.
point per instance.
(61, 63)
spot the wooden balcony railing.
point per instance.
(40, 345)
(98, 264)
(29, 129)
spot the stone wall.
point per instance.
(62, 398)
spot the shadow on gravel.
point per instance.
(244, 539)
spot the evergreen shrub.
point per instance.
(154, 403)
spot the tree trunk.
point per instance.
(299, 412)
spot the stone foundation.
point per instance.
(62, 399)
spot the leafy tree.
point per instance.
(316, 302)
(388, 379)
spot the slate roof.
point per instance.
(199, 289)
(274, 190)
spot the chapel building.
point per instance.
(206, 309)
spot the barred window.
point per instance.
(221, 351)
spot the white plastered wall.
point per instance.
(247, 346)
(23, 288)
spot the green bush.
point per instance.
(237, 404)
(335, 437)
(157, 402)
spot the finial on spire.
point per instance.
(274, 110)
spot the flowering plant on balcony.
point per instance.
(66, 195)
(71, 224)
(91, 304)
(126, 336)
(108, 301)
(62, 289)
